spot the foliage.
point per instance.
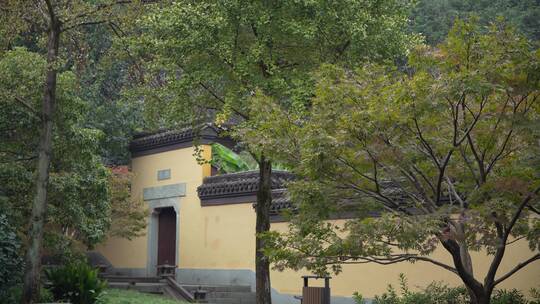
(209, 57)
(103, 74)
(56, 20)
(434, 293)
(76, 283)
(79, 198)
(434, 18)
(535, 296)
(84, 194)
(10, 257)
(128, 214)
(14, 295)
(513, 296)
(439, 293)
(120, 296)
(443, 154)
(227, 161)
(204, 60)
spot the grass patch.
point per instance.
(121, 296)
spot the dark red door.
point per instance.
(167, 237)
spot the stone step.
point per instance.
(231, 301)
(115, 278)
(221, 297)
(142, 287)
(232, 294)
(217, 288)
(171, 293)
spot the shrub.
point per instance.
(15, 293)
(10, 259)
(535, 296)
(513, 296)
(434, 293)
(439, 293)
(77, 283)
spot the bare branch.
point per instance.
(454, 192)
(479, 160)
(533, 209)
(517, 268)
(220, 99)
(398, 258)
(476, 118)
(424, 143)
(501, 151)
(515, 240)
(469, 165)
(518, 213)
(84, 24)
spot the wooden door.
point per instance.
(167, 237)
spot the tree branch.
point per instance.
(84, 24)
(453, 248)
(424, 143)
(518, 213)
(28, 106)
(517, 268)
(398, 258)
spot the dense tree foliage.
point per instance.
(103, 74)
(434, 18)
(52, 146)
(128, 214)
(79, 181)
(10, 258)
(446, 156)
(254, 64)
(205, 57)
(84, 194)
(214, 55)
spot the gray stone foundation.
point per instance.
(244, 277)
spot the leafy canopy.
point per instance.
(210, 57)
(83, 192)
(434, 18)
(445, 153)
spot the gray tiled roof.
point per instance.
(237, 183)
(161, 138)
(245, 184)
(164, 140)
(280, 201)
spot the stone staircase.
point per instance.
(143, 284)
(216, 294)
(225, 294)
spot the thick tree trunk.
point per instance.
(482, 299)
(476, 290)
(465, 256)
(264, 200)
(33, 256)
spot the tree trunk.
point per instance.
(476, 290)
(264, 200)
(482, 299)
(31, 286)
(466, 259)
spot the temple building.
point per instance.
(203, 226)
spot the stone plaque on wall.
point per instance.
(164, 174)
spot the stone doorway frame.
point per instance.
(157, 198)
